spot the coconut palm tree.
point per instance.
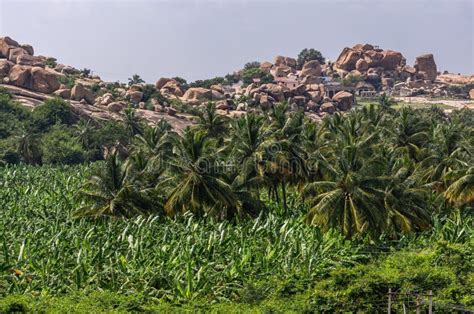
(83, 132)
(157, 140)
(461, 191)
(132, 122)
(28, 147)
(196, 180)
(350, 196)
(406, 201)
(210, 121)
(116, 191)
(410, 133)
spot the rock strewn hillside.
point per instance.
(314, 87)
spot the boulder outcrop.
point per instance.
(79, 92)
(344, 100)
(312, 68)
(44, 80)
(347, 59)
(425, 64)
(6, 43)
(197, 95)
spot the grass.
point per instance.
(50, 262)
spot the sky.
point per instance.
(208, 38)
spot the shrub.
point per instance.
(256, 73)
(59, 146)
(208, 83)
(8, 151)
(351, 80)
(51, 112)
(68, 80)
(51, 62)
(109, 134)
(85, 72)
(252, 65)
(308, 55)
(8, 124)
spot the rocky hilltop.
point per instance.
(316, 87)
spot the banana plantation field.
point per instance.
(51, 261)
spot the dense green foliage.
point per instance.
(308, 55)
(52, 261)
(52, 134)
(263, 212)
(248, 75)
(374, 171)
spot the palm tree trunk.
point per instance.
(283, 191)
(275, 191)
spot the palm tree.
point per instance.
(350, 197)
(248, 139)
(83, 132)
(28, 148)
(405, 200)
(156, 140)
(132, 122)
(410, 133)
(197, 183)
(210, 121)
(116, 191)
(135, 79)
(461, 191)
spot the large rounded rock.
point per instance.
(44, 80)
(391, 59)
(161, 82)
(135, 96)
(327, 107)
(285, 61)
(274, 90)
(311, 68)
(26, 59)
(14, 53)
(172, 88)
(6, 43)
(426, 64)
(116, 106)
(266, 66)
(373, 58)
(216, 95)
(20, 76)
(197, 94)
(63, 93)
(79, 92)
(5, 67)
(344, 100)
(281, 71)
(28, 49)
(361, 65)
(348, 59)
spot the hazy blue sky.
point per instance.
(203, 39)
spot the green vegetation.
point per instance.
(52, 261)
(250, 74)
(29, 136)
(264, 212)
(135, 80)
(308, 55)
